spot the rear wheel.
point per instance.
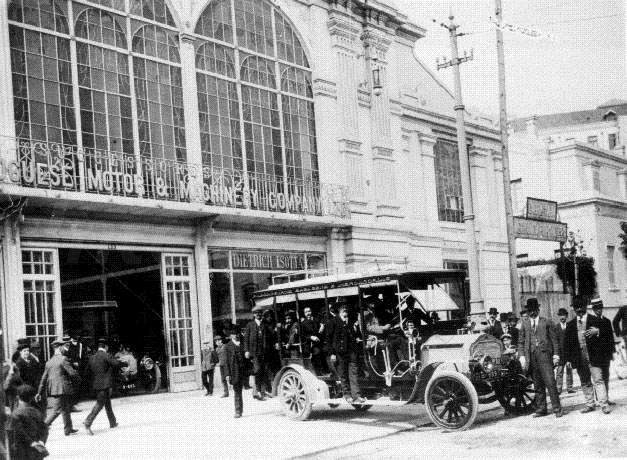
(294, 396)
(451, 400)
(517, 395)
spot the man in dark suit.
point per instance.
(258, 341)
(494, 325)
(588, 345)
(58, 382)
(538, 351)
(345, 350)
(605, 323)
(560, 330)
(101, 367)
(511, 329)
(234, 370)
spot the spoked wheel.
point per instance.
(518, 395)
(294, 396)
(451, 400)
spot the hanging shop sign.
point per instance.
(539, 209)
(257, 260)
(531, 229)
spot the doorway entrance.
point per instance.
(117, 295)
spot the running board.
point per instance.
(383, 401)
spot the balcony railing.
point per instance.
(47, 165)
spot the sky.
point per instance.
(578, 66)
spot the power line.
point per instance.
(584, 19)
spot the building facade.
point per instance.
(578, 159)
(162, 160)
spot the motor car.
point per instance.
(412, 357)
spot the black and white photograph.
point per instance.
(313, 229)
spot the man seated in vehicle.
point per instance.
(376, 319)
(415, 314)
(289, 335)
(311, 330)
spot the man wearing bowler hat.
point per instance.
(494, 325)
(588, 346)
(257, 344)
(560, 330)
(539, 352)
(58, 382)
(234, 369)
(101, 367)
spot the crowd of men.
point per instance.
(37, 394)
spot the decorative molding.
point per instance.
(344, 31)
(349, 146)
(592, 163)
(326, 88)
(187, 38)
(364, 98)
(378, 42)
(383, 153)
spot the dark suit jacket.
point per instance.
(343, 339)
(548, 344)
(234, 367)
(258, 340)
(30, 371)
(58, 377)
(621, 316)
(101, 367)
(600, 348)
(26, 425)
(496, 330)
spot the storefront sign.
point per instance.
(268, 261)
(540, 230)
(541, 209)
(53, 166)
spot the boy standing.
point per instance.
(209, 359)
(234, 368)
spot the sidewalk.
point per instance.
(192, 426)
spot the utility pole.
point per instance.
(476, 300)
(507, 191)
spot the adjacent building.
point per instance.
(578, 159)
(162, 160)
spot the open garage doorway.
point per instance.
(118, 295)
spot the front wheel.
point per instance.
(451, 400)
(294, 396)
(517, 395)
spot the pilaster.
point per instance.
(190, 107)
(429, 195)
(201, 257)
(11, 282)
(622, 183)
(336, 250)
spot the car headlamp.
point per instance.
(487, 363)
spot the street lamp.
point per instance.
(377, 87)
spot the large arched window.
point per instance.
(123, 61)
(255, 98)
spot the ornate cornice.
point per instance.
(377, 42)
(344, 31)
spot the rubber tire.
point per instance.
(513, 410)
(293, 378)
(470, 391)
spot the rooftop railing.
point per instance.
(48, 165)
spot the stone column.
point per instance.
(336, 251)
(12, 295)
(622, 183)
(192, 124)
(201, 257)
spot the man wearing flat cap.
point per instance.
(539, 351)
(494, 325)
(101, 367)
(588, 346)
(58, 382)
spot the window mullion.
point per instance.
(240, 105)
(133, 95)
(277, 84)
(78, 123)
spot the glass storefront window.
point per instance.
(219, 259)
(221, 312)
(252, 270)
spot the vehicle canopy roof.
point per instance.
(347, 284)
